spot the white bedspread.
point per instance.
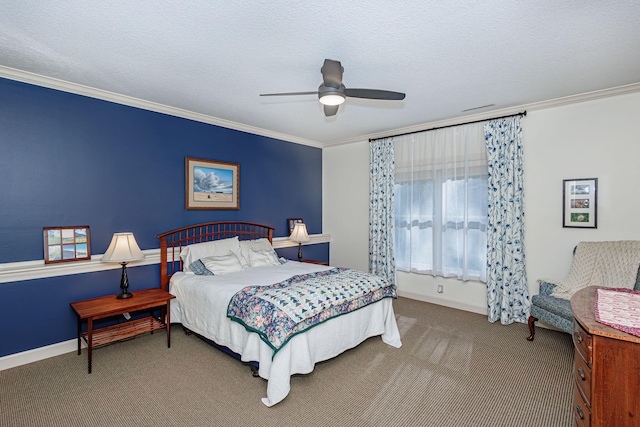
(201, 306)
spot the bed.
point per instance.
(211, 305)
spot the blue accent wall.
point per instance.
(67, 159)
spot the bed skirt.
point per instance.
(303, 351)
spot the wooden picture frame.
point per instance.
(291, 223)
(580, 203)
(210, 184)
(65, 244)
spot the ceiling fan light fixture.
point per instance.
(331, 93)
(332, 99)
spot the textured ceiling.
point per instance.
(215, 57)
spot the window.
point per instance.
(440, 205)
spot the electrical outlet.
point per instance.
(127, 316)
(440, 289)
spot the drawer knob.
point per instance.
(578, 336)
(581, 373)
(579, 410)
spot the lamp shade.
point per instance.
(123, 248)
(299, 233)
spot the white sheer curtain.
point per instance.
(441, 202)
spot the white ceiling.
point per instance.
(215, 57)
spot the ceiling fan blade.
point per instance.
(332, 73)
(374, 94)
(315, 92)
(330, 110)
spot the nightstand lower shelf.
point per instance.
(122, 331)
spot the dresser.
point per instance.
(606, 369)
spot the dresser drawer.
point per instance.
(581, 411)
(583, 342)
(582, 377)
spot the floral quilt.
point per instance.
(280, 311)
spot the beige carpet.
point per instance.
(454, 369)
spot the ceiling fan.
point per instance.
(332, 92)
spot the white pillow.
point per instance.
(246, 246)
(222, 264)
(259, 258)
(198, 251)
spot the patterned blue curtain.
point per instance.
(507, 292)
(381, 182)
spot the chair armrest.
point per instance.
(545, 288)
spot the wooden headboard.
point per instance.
(172, 242)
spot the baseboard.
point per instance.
(41, 353)
(36, 354)
(465, 307)
(52, 350)
(444, 302)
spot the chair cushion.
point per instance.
(560, 307)
(559, 322)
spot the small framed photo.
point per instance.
(291, 223)
(63, 244)
(210, 184)
(580, 203)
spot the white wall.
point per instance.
(591, 139)
(594, 139)
(345, 171)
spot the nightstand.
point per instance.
(311, 261)
(110, 306)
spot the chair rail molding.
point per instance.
(37, 269)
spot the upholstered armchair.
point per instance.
(556, 311)
(551, 310)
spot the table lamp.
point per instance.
(299, 234)
(123, 249)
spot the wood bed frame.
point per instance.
(172, 242)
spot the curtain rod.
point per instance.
(523, 113)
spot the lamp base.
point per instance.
(124, 284)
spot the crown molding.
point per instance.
(104, 95)
(78, 89)
(551, 103)
(29, 270)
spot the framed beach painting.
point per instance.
(63, 244)
(211, 184)
(580, 203)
